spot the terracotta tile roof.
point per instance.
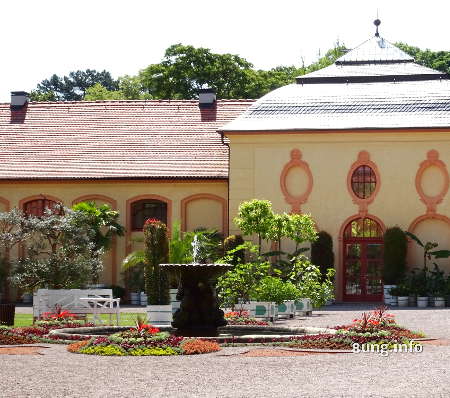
(115, 139)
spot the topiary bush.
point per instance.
(231, 243)
(322, 253)
(395, 250)
(156, 252)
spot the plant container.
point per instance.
(159, 314)
(447, 300)
(402, 301)
(286, 309)
(303, 307)
(27, 298)
(173, 299)
(134, 298)
(264, 309)
(394, 301)
(422, 302)
(412, 301)
(7, 313)
(387, 295)
(143, 299)
(439, 302)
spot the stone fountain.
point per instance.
(199, 313)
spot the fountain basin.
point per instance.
(225, 334)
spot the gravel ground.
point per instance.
(58, 373)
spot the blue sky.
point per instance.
(43, 37)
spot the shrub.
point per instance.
(231, 244)
(322, 252)
(274, 290)
(197, 346)
(107, 350)
(395, 249)
(156, 351)
(156, 252)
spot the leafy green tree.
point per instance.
(73, 87)
(300, 229)
(130, 88)
(60, 251)
(185, 69)
(103, 221)
(439, 60)
(255, 217)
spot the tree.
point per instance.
(130, 88)
(103, 221)
(60, 251)
(185, 69)
(73, 87)
(439, 60)
(322, 252)
(255, 217)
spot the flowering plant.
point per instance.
(242, 318)
(143, 327)
(58, 314)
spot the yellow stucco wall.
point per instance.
(121, 192)
(257, 162)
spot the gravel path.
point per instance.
(58, 373)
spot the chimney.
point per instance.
(206, 98)
(19, 99)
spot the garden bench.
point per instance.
(77, 301)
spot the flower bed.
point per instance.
(376, 327)
(143, 340)
(39, 332)
(242, 318)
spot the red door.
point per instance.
(363, 261)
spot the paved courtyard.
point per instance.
(58, 373)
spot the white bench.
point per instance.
(77, 301)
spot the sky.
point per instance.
(44, 37)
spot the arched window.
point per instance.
(364, 182)
(147, 208)
(363, 260)
(36, 207)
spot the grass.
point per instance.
(126, 319)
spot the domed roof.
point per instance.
(376, 85)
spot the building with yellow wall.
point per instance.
(362, 145)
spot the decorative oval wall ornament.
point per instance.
(432, 161)
(296, 200)
(363, 163)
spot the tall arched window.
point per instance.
(363, 260)
(36, 207)
(147, 208)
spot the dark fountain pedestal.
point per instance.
(199, 313)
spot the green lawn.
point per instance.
(126, 319)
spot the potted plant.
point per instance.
(437, 283)
(394, 256)
(269, 293)
(156, 242)
(401, 294)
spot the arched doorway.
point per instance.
(363, 260)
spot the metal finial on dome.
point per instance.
(377, 23)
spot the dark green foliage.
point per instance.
(231, 243)
(322, 252)
(72, 87)
(156, 252)
(395, 250)
(118, 291)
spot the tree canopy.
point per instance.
(184, 69)
(72, 87)
(439, 60)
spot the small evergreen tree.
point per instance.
(156, 253)
(232, 243)
(395, 250)
(322, 252)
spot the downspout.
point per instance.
(228, 183)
